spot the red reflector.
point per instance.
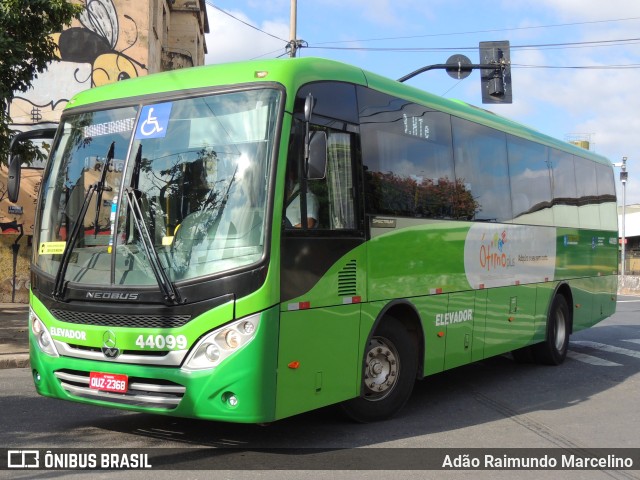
(441, 334)
(350, 300)
(295, 364)
(299, 306)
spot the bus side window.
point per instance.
(480, 157)
(339, 182)
(292, 215)
(330, 200)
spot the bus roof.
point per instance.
(293, 73)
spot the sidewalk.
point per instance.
(14, 335)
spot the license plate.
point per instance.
(109, 382)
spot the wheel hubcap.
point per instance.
(561, 331)
(381, 369)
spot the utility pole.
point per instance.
(293, 41)
(623, 178)
(624, 175)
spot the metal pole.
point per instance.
(293, 42)
(623, 179)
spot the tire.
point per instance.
(389, 372)
(553, 350)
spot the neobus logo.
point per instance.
(112, 295)
(109, 348)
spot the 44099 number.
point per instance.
(162, 341)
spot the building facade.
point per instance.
(113, 40)
(632, 238)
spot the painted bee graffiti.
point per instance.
(95, 43)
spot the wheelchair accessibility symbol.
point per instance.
(153, 121)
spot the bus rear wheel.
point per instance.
(553, 350)
(389, 373)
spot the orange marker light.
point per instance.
(293, 365)
(441, 334)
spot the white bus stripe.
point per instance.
(607, 348)
(584, 358)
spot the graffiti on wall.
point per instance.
(103, 47)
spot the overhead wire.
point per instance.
(210, 3)
(492, 30)
(549, 46)
(542, 46)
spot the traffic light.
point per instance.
(495, 81)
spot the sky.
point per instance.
(575, 63)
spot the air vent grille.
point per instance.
(348, 280)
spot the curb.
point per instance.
(14, 307)
(18, 360)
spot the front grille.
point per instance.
(166, 358)
(146, 392)
(121, 320)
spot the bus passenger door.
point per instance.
(322, 284)
(511, 315)
(459, 322)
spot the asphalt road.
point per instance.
(589, 402)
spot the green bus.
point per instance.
(250, 241)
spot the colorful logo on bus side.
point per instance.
(493, 254)
(502, 255)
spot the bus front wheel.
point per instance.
(553, 350)
(389, 373)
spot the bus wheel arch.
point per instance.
(553, 350)
(390, 364)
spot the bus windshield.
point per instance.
(195, 171)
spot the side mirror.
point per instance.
(317, 162)
(308, 108)
(315, 145)
(14, 178)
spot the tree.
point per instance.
(26, 49)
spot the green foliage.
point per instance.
(27, 48)
(395, 195)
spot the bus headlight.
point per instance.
(41, 334)
(214, 347)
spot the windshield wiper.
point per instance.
(58, 285)
(137, 164)
(171, 295)
(103, 177)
